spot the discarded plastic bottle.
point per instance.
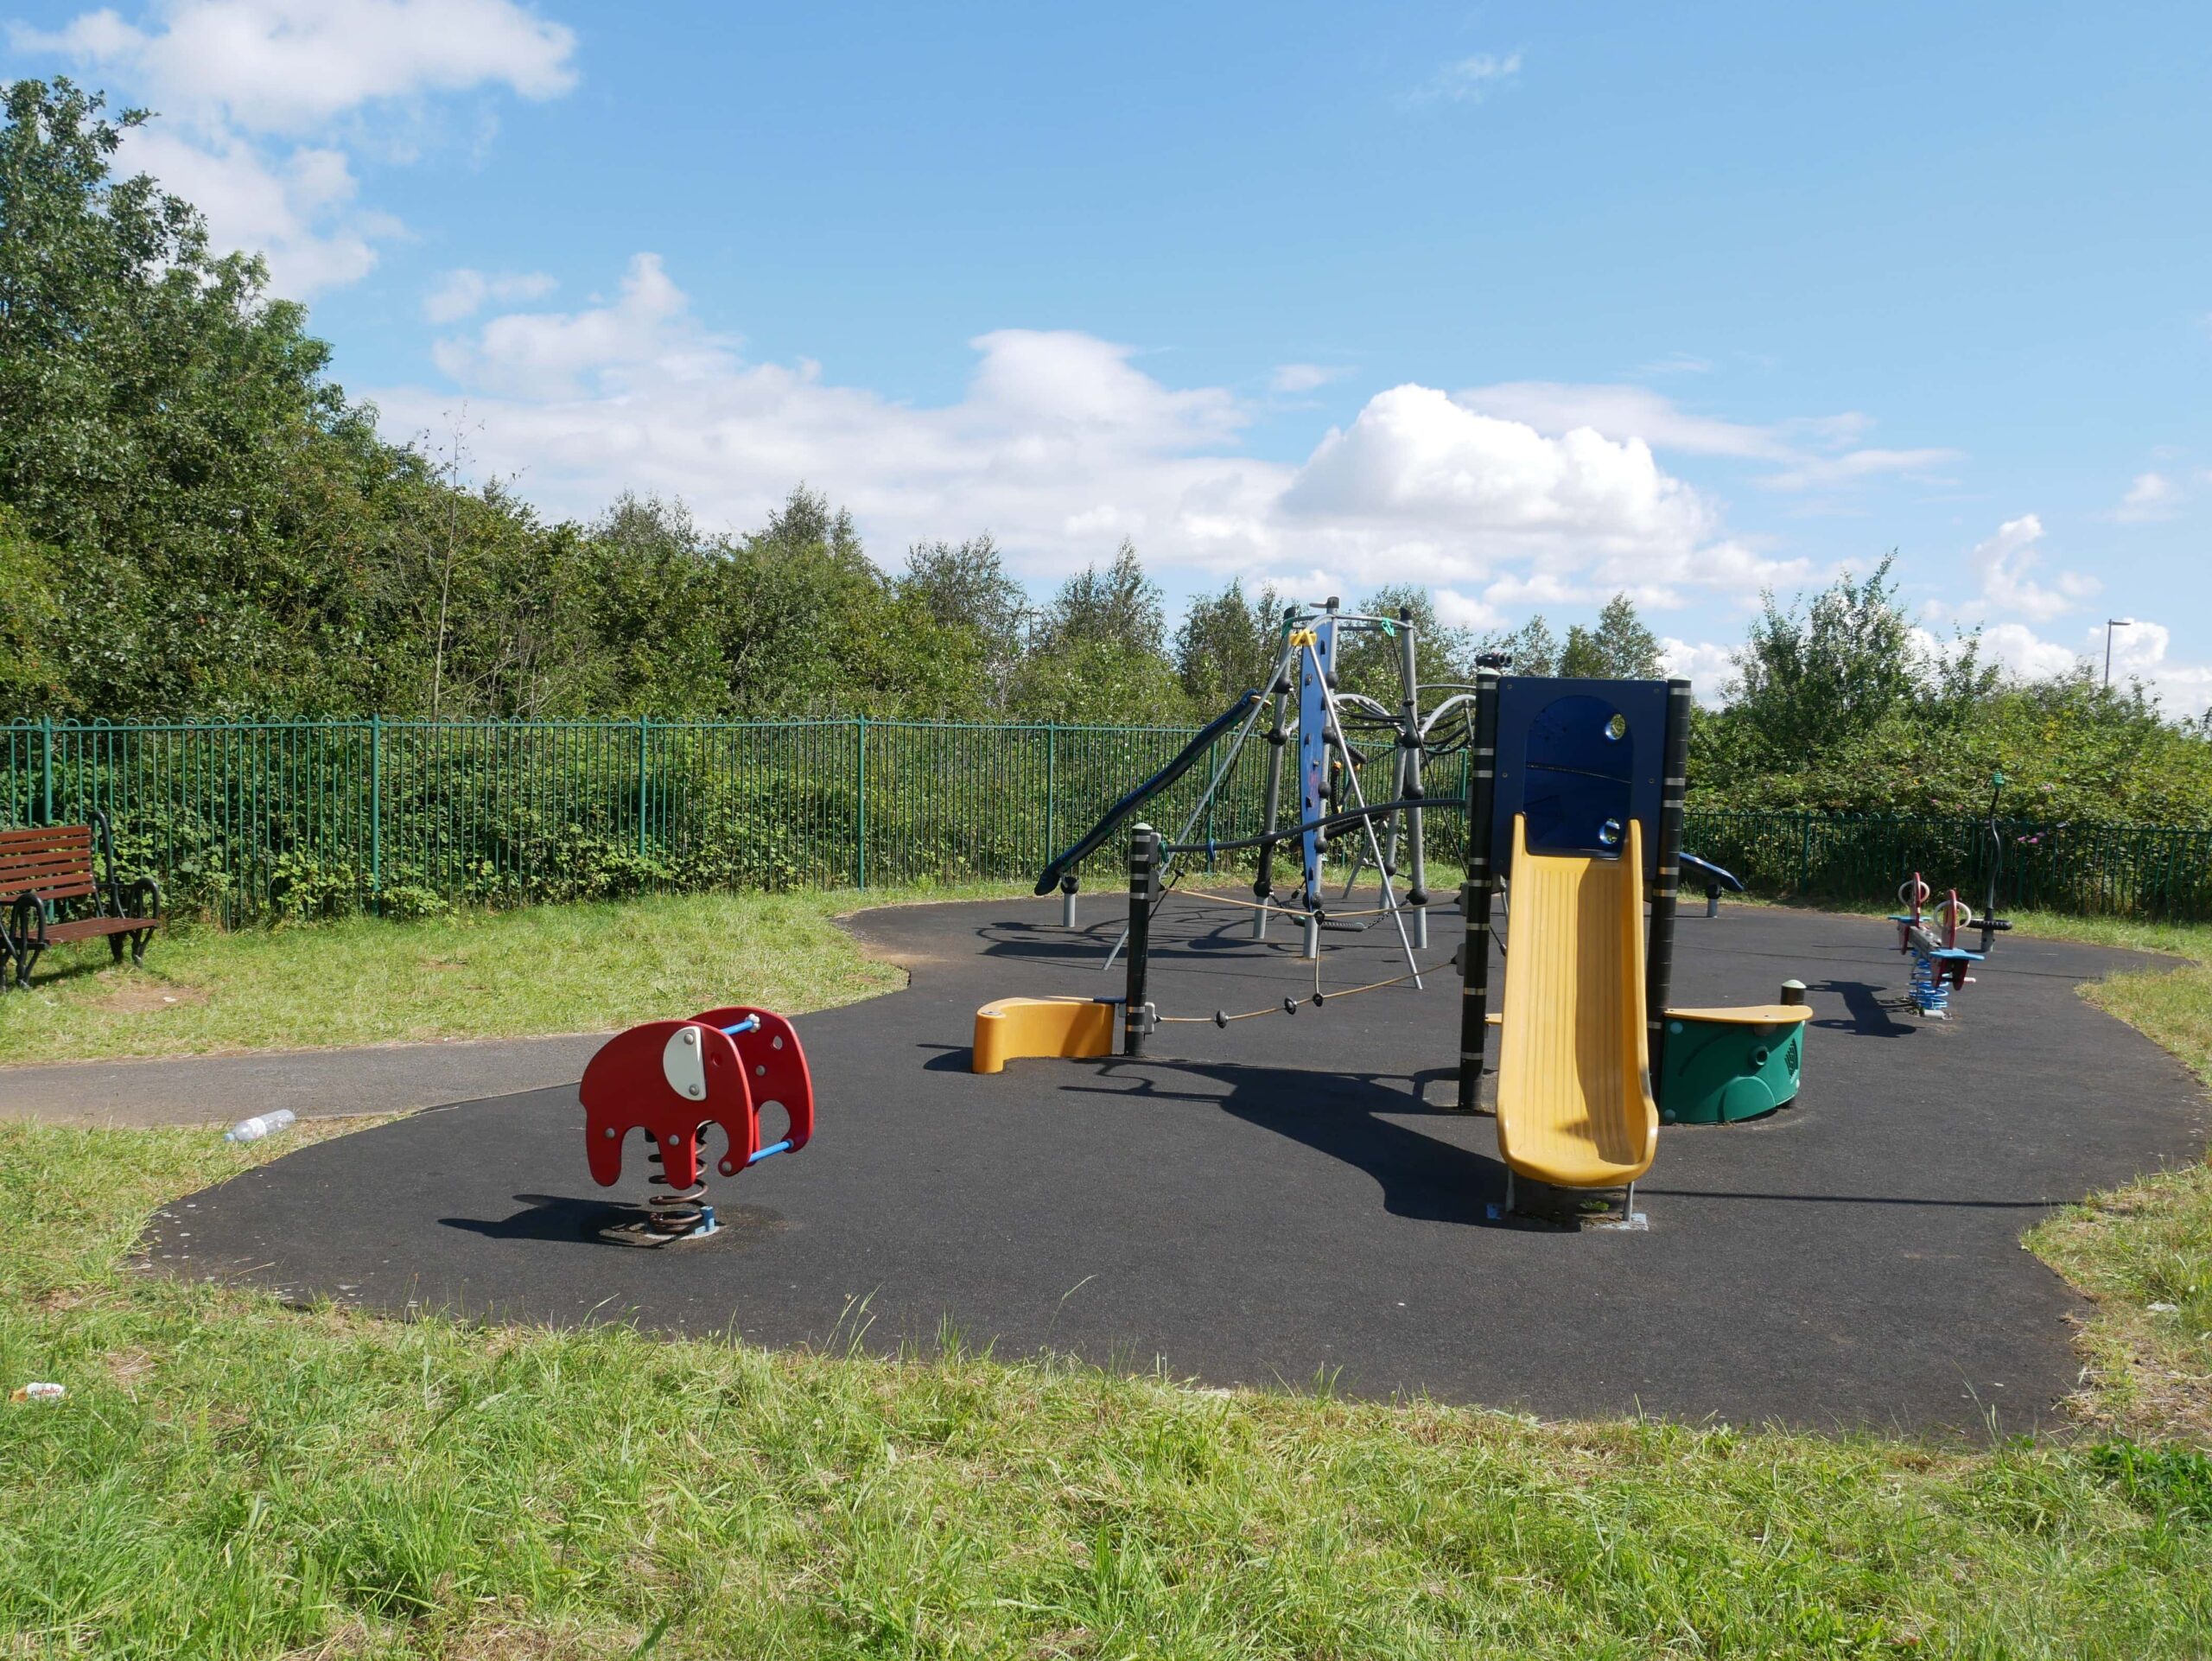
(261, 1124)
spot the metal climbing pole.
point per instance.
(1475, 892)
(1278, 741)
(1144, 867)
(1674, 785)
(1409, 777)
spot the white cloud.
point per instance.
(2139, 652)
(297, 209)
(1440, 493)
(1624, 412)
(1061, 446)
(2151, 496)
(1468, 80)
(1810, 451)
(463, 293)
(1458, 610)
(1302, 376)
(2021, 650)
(550, 355)
(2001, 565)
(1708, 667)
(263, 103)
(1826, 472)
(290, 66)
(1536, 588)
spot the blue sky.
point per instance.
(1525, 302)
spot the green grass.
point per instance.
(230, 1478)
(548, 969)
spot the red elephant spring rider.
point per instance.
(672, 1079)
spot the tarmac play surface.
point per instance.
(1280, 1201)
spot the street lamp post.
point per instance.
(2112, 623)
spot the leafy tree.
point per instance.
(1118, 607)
(1533, 649)
(965, 585)
(1619, 648)
(647, 587)
(1097, 683)
(1228, 644)
(30, 614)
(165, 423)
(810, 626)
(1813, 676)
(1100, 656)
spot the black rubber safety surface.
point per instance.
(1279, 1201)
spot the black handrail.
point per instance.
(1089, 841)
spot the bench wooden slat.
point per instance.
(57, 856)
(14, 832)
(89, 929)
(45, 882)
(76, 890)
(52, 858)
(36, 876)
(61, 837)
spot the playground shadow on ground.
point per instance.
(544, 1216)
(1352, 1117)
(1866, 1012)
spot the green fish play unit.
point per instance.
(1719, 1066)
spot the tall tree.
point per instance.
(1099, 658)
(1531, 649)
(964, 585)
(1226, 644)
(646, 588)
(1813, 676)
(1118, 607)
(165, 425)
(1619, 648)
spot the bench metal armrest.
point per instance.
(138, 888)
(114, 890)
(27, 915)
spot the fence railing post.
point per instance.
(1804, 850)
(643, 721)
(46, 768)
(375, 814)
(860, 801)
(1052, 839)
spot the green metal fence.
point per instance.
(2126, 870)
(252, 819)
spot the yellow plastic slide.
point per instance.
(1574, 1105)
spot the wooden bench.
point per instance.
(53, 893)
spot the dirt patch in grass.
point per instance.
(137, 997)
(127, 1366)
